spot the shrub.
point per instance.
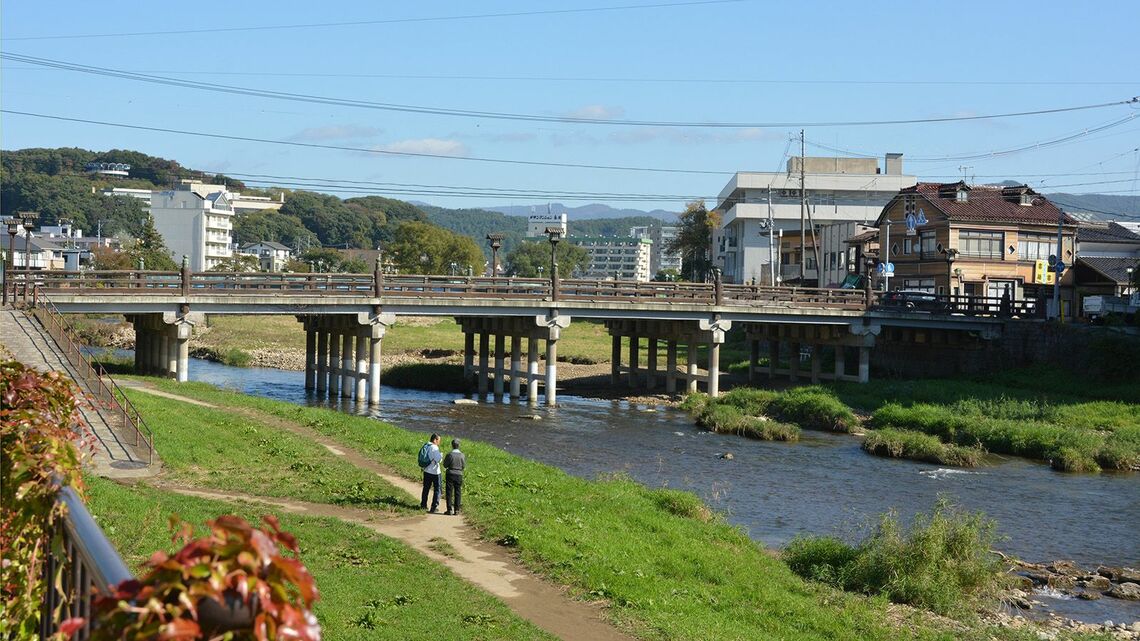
(919, 447)
(694, 402)
(235, 357)
(716, 416)
(814, 408)
(821, 558)
(749, 400)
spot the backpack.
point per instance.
(425, 456)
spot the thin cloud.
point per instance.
(336, 132)
(438, 146)
(596, 112)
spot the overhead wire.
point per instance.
(497, 115)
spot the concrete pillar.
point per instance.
(634, 347)
(840, 362)
(362, 335)
(142, 350)
(816, 363)
(138, 347)
(551, 372)
(157, 359)
(374, 371)
(347, 364)
(864, 364)
(334, 363)
(671, 367)
(468, 355)
(516, 365)
(753, 359)
(532, 371)
(484, 348)
(183, 359)
(691, 379)
(651, 363)
(773, 357)
(322, 360)
(170, 351)
(615, 359)
(500, 351)
(714, 370)
(794, 361)
(310, 355)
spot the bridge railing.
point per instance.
(90, 566)
(111, 402)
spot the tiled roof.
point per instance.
(986, 204)
(1106, 233)
(1113, 268)
(863, 237)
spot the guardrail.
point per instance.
(188, 284)
(100, 385)
(90, 565)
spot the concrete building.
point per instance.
(838, 253)
(616, 258)
(195, 220)
(660, 257)
(838, 190)
(536, 224)
(272, 256)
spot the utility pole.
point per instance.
(771, 244)
(803, 213)
(1056, 267)
(815, 245)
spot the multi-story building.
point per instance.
(660, 258)
(537, 224)
(195, 220)
(838, 253)
(838, 190)
(976, 240)
(272, 256)
(1108, 257)
(616, 257)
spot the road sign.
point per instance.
(1052, 260)
(886, 268)
(1059, 267)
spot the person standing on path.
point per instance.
(454, 463)
(431, 474)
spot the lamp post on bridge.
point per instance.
(555, 234)
(9, 260)
(29, 224)
(496, 241)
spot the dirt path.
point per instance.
(484, 564)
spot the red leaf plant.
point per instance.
(237, 568)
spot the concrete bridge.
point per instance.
(346, 316)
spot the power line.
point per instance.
(357, 23)
(495, 115)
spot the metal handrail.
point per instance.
(91, 566)
(100, 383)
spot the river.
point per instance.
(824, 484)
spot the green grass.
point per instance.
(668, 566)
(770, 415)
(920, 447)
(371, 586)
(225, 450)
(723, 418)
(942, 562)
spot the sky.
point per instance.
(360, 98)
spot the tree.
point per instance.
(238, 263)
(694, 240)
(152, 249)
(423, 248)
(667, 275)
(528, 256)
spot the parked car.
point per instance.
(916, 300)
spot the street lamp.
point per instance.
(1129, 270)
(496, 241)
(951, 256)
(29, 225)
(555, 234)
(10, 261)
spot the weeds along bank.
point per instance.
(665, 565)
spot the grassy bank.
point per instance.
(920, 447)
(667, 566)
(771, 415)
(372, 587)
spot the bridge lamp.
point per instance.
(496, 241)
(555, 234)
(29, 225)
(9, 261)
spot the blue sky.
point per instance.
(738, 62)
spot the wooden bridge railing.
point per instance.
(466, 287)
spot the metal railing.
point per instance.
(90, 566)
(99, 384)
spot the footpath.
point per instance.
(485, 565)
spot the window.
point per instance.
(980, 244)
(1035, 246)
(919, 284)
(929, 244)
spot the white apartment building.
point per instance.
(838, 190)
(536, 224)
(195, 220)
(659, 257)
(616, 258)
(240, 202)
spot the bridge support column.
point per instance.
(794, 362)
(615, 359)
(773, 358)
(671, 367)
(840, 362)
(714, 369)
(322, 358)
(516, 366)
(157, 361)
(691, 379)
(362, 336)
(499, 356)
(651, 363)
(468, 355)
(139, 342)
(347, 364)
(816, 363)
(170, 343)
(374, 370)
(334, 362)
(551, 372)
(864, 364)
(532, 371)
(310, 355)
(183, 357)
(753, 359)
(484, 347)
(634, 348)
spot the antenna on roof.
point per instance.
(964, 169)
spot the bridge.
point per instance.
(346, 316)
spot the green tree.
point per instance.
(151, 249)
(238, 263)
(667, 275)
(423, 248)
(528, 256)
(694, 240)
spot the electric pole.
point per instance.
(771, 245)
(803, 213)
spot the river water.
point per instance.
(822, 485)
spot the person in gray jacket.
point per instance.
(454, 463)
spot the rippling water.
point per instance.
(822, 485)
